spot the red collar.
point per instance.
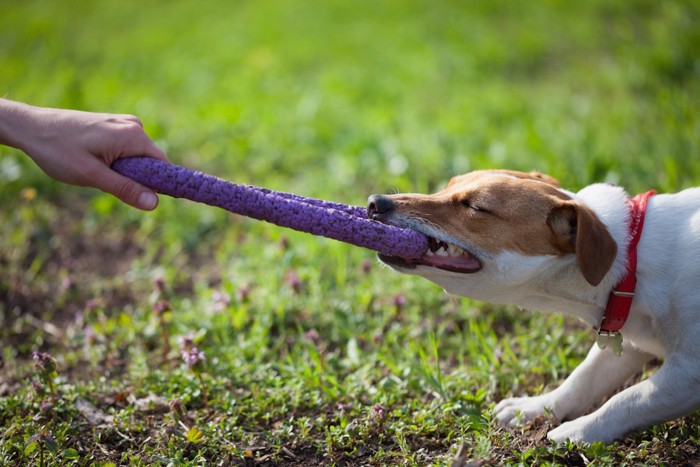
(621, 296)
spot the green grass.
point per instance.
(315, 355)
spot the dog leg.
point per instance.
(668, 394)
(598, 375)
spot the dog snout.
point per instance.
(379, 206)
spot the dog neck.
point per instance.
(620, 299)
(562, 289)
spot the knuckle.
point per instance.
(135, 119)
(128, 119)
(132, 127)
(125, 190)
(131, 133)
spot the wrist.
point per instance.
(15, 121)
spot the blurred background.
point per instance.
(371, 95)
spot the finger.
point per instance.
(152, 150)
(141, 145)
(127, 190)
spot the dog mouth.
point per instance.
(440, 255)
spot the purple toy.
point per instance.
(333, 220)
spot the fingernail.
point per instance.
(148, 200)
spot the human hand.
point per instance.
(79, 147)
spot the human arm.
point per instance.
(79, 148)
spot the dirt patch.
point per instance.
(66, 267)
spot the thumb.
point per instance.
(127, 190)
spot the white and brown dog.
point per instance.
(518, 238)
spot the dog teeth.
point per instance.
(433, 244)
(440, 248)
(454, 250)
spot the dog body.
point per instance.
(516, 238)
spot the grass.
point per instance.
(315, 355)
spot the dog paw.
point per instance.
(583, 430)
(516, 410)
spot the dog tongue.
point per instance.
(461, 263)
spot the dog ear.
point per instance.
(578, 230)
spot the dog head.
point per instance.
(490, 231)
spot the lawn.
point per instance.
(313, 353)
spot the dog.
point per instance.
(518, 238)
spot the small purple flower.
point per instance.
(66, 284)
(378, 413)
(90, 335)
(293, 280)
(366, 266)
(92, 304)
(161, 306)
(284, 242)
(343, 407)
(399, 301)
(221, 300)
(194, 360)
(46, 406)
(44, 362)
(193, 357)
(243, 293)
(177, 408)
(45, 438)
(175, 404)
(159, 284)
(46, 366)
(186, 342)
(312, 335)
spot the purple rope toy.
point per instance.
(338, 221)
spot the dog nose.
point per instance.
(378, 205)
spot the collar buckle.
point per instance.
(612, 339)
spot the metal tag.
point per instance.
(612, 340)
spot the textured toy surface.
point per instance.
(332, 220)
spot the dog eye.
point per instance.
(474, 207)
